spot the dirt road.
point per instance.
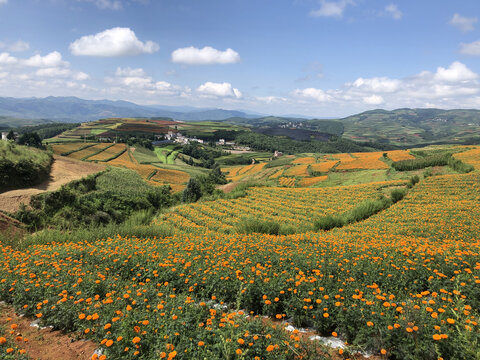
(63, 171)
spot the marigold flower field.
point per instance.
(403, 284)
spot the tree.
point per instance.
(30, 139)
(11, 135)
(192, 192)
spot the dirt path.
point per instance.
(63, 171)
(42, 344)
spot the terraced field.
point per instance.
(119, 155)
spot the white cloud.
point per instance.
(453, 86)
(53, 59)
(205, 56)
(312, 94)
(456, 72)
(3, 2)
(381, 84)
(331, 8)
(219, 90)
(373, 100)
(465, 24)
(112, 42)
(393, 11)
(18, 46)
(7, 59)
(129, 81)
(471, 48)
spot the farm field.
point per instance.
(122, 156)
(317, 170)
(401, 284)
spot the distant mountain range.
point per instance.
(73, 109)
(403, 127)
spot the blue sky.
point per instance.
(315, 57)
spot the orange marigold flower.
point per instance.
(136, 340)
(270, 348)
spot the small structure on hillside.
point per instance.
(277, 154)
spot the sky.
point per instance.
(321, 58)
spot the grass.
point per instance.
(128, 181)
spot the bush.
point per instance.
(329, 222)
(397, 194)
(441, 159)
(460, 166)
(367, 209)
(271, 227)
(192, 192)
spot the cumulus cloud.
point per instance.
(471, 48)
(219, 90)
(464, 24)
(312, 94)
(331, 8)
(393, 11)
(448, 87)
(373, 100)
(381, 84)
(112, 42)
(53, 59)
(130, 81)
(3, 2)
(205, 56)
(40, 76)
(7, 59)
(454, 73)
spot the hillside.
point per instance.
(22, 166)
(414, 126)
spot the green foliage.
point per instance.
(192, 192)
(441, 159)
(46, 131)
(108, 197)
(366, 209)
(459, 166)
(31, 139)
(253, 225)
(263, 142)
(11, 135)
(397, 194)
(22, 166)
(328, 222)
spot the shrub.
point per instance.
(367, 209)
(459, 166)
(397, 194)
(329, 222)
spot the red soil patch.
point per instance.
(43, 344)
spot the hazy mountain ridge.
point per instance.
(73, 109)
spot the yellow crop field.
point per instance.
(363, 161)
(304, 160)
(309, 181)
(403, 283)
(287, 181)
(298, 170)
(67, 147)
(324, 166)
(108, 153)
(398, 155)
